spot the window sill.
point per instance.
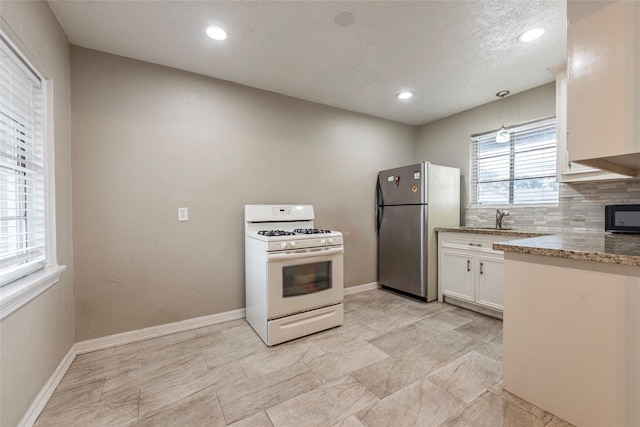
(18, 293)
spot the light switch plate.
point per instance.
(183, 214)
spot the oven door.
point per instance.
(301, 280)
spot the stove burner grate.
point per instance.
(271, 233)
(310, 231)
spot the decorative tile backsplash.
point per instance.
(580, 208)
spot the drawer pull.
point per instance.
(476, 244)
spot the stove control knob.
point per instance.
(323, 242)
(283, 245)
(330, 241)
(292, 244)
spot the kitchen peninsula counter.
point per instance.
(623, 249)
(571, 334)
(571, 325)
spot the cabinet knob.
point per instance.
(468, 265)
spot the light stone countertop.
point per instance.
(623, 249)
(516, 233)
(611, 248)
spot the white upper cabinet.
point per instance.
(568, 171)
(603, 85)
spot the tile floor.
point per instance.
(394, 362)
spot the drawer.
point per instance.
(468, 241)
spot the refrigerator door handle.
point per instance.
(379, 212)
(379, 206)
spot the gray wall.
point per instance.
(35, 338)
(446, 141)
(149, 139)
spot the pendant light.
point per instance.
(503, 134)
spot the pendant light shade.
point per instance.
(503, 134)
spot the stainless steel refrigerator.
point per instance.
(411, 201)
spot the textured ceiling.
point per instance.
(454, 55)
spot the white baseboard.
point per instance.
(185, 325)
(47, 390)
(157, 331)
(361, 288)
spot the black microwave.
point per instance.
(622, 218)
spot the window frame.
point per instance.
(473, 164)
(21, 291)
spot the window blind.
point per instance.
(22, 171)
(521, 171)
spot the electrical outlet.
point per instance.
(183, 214)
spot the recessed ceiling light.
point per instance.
(216, 33)
(404, 95)
(531, 35)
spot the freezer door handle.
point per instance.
(379, 206)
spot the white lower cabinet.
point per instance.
(490, 287)
(470, 271)
(456, 273)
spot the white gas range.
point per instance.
(293, 273)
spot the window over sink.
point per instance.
(520, 171)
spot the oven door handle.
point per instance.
(283, 256)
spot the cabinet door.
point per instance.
(602, 82)
(568, 171)
(490, 287)
(456, 275)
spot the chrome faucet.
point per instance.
(499, 217)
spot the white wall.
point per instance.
(35, 338)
